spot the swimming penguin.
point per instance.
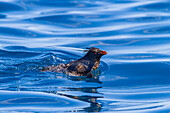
(82, 66)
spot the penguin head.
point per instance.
(95, 53)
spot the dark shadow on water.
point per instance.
(94, 105)
(92, 96)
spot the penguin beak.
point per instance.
(103, 52)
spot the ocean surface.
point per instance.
(134, 77)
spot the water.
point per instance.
(133, 77)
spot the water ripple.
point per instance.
(132, 77)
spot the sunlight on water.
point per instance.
(133, 77)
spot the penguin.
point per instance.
(82, 66)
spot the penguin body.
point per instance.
(82, 66)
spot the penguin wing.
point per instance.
(81, 68)
(77, 66)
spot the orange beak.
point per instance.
(103, 52)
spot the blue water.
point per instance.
(133, 77)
